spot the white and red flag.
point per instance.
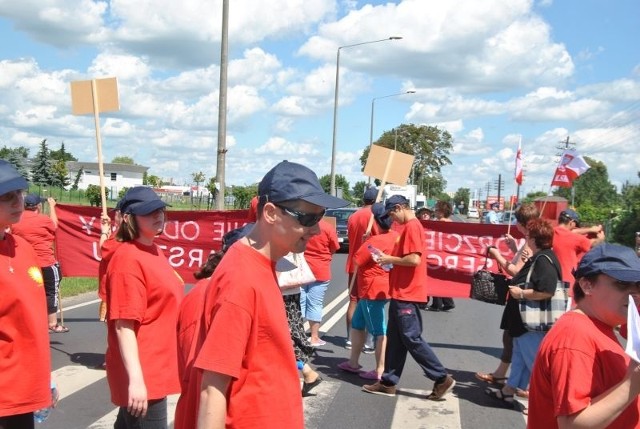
(571, 166)
(518, 171)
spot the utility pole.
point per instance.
(222, 107)
(499, 186)
(564, 145)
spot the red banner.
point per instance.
(455, 250)
(187, 240)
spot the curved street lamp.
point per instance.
(373, 101)
(335, 106)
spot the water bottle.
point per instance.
(42, 414)
(376, 254)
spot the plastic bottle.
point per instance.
(42, 414)
(376, 254)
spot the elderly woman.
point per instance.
(582, 377)
(544, 272)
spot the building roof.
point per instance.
(76, 165)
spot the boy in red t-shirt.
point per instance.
(407, 281)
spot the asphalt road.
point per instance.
(466, 340)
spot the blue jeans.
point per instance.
(312, 300)
(525, 348)
(156, 417)
(404, 334)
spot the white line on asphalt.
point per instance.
(413, 411)
(106, 421)
(317, 406)
(327, 308)
(82, 304)
(72, 378)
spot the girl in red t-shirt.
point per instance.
(143, 298)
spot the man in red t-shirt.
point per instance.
(40, 231)
(357, 226)
(249, 376)
(408, 285)
(581, 376)
(570, 242)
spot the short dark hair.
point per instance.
(525, 213)
(209, 266)
(444, 208)
(541, 231)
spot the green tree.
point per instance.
(627, 223)
(21, 150)
(341, 183)
(60, 174)
(42, 170)
(532, 196)
(198, 178)
(122, 192)
(428, 144)
(74, 187)
(93, 195)
(17, 158)
(358, 191)
(123, 160)
(154, 181)
(62, 155)
(461, 198)
(242, 195)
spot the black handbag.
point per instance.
(489, 287)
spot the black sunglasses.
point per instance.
(305, 219)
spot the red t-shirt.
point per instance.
(579, 359)
(107, 250)
(320, 249)
(373, 281)
(142, 286)
(247, 338)
(356, 228)
(253, 210)
(410, 283)
(569, 247)
(40, 231)
(25, 358)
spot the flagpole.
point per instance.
(544, 203)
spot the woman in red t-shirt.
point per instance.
(143, 298)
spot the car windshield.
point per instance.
(340, 215)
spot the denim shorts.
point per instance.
(312, 300)
(370, 314)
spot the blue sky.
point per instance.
(490, 72)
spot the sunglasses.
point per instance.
(304, 219)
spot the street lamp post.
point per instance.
(335, 107)
(373, 101)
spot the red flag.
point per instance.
(571, 166)
(518, 172)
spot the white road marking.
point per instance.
(72, 378)
(413, 411)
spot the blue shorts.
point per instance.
(370, 314)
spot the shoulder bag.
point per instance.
(542, 314)
(489, 287)
(293, 271)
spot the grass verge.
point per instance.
(72, 286)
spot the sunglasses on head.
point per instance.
(304, 219)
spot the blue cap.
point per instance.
(383, 220)
(571, 215)
(141, 200)
(234, 235)
(10, 178)
(370, 194)
(495, 205)
(32, 200)
(290, 181)
(616, 261)
(393, 201)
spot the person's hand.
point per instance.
(105, 225)
(511, 242)
(382, 258)
(492, 252)
(55, 395)
(52, 202)
(525, 255)
(633, 372)
(137, 405)
(515, 291)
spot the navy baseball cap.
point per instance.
(370, 194)
(141, 200)
(570, 214)
(32, 200)
(616, 261)
(234, 235)
(495, 205)
(290, 181)
(10, 178)
(393, 201)
(383, 220)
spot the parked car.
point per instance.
(473, 213)
(342, 215)
(509, 214)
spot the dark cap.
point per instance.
(616, 261)
(393, 201)
(32, 200)
(370, 194)
(10, 178)
(120, 203)
(141, 200)
(290, 181)
(571, 215)
(383, 220)
(234, 235)
(495, 205)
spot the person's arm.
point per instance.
(137, 404)
(515, 265)
(212, 412)
(408, 260)
(52, 211)
(606, 407)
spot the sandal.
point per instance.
(306, 387)
(520, 393)
(507, 400)
(490, 378)
(58, 329)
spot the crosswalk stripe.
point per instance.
(413, 411)
(106, 421)
(72, 378)
(327, 309)
(317, 406)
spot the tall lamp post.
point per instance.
(373, 104)
(335, 106)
